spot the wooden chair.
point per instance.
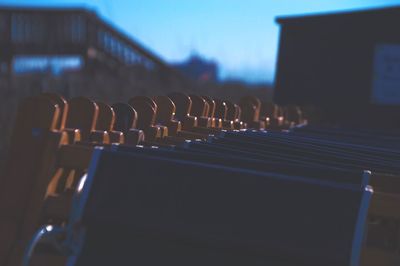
(106, 121)
(234, 112)
(126, 121)
(183, 105)
(211, 112)
(200, 109)
(251, 112)
(270, 113)
(164, 129)
(62, 105)
(221, 111)
(82, 116)
(293, 114)
(34, 143)
(165, 114)
(146, 119)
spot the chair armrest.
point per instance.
(116, 137)
(134, 137)
(204, 122)
(100, 136)
(151, 133)
(189, 122)
(74, 135)
(227, 124)
(174, 127)
(239, 125)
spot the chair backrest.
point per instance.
(105, 125)
(62, 105)
(165, 109)
(231, 112)
(37, 112)
(292, 113)
(211, 104)
(125, 117)
(146, 112)
(146, 99)
(220, 109)
(206, 109)
(269, 109)
(183, 104)
(255, 101)
(106, 117)
(82, 115)
(248, 111)
(198, 106)
(238, 112)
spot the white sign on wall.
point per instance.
(386, 75)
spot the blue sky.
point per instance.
(241, 35)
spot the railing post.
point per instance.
(5, 43)
(90, 32)
(90, 44)
(50, 29)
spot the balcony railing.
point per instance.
(49, 31)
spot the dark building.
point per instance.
(198, 69)
(347, 64)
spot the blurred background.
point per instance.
(113, 50)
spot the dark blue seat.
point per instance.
(148, 210)
(270, 147)
(228, 160)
